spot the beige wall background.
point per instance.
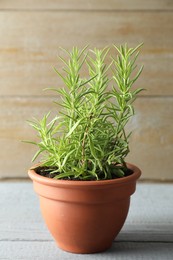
(30, 34)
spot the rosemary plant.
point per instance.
(87, 140)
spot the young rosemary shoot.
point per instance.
(88, 141)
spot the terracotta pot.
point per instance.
(85, 216)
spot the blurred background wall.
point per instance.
(30, 34)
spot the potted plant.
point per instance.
(83, 181)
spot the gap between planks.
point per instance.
(88, 10)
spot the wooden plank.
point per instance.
(87, 5)
(43, 250)
(29, 46)
(151, 142)
(152, 139)
(13, 115)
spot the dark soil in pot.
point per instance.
(47, 172)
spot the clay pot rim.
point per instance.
(52, 182)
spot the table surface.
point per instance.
(147, 233)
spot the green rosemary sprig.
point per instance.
(88, 139)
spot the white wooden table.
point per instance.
(147, 234)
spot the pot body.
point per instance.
(85, 216)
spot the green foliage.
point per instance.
(88, 139)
